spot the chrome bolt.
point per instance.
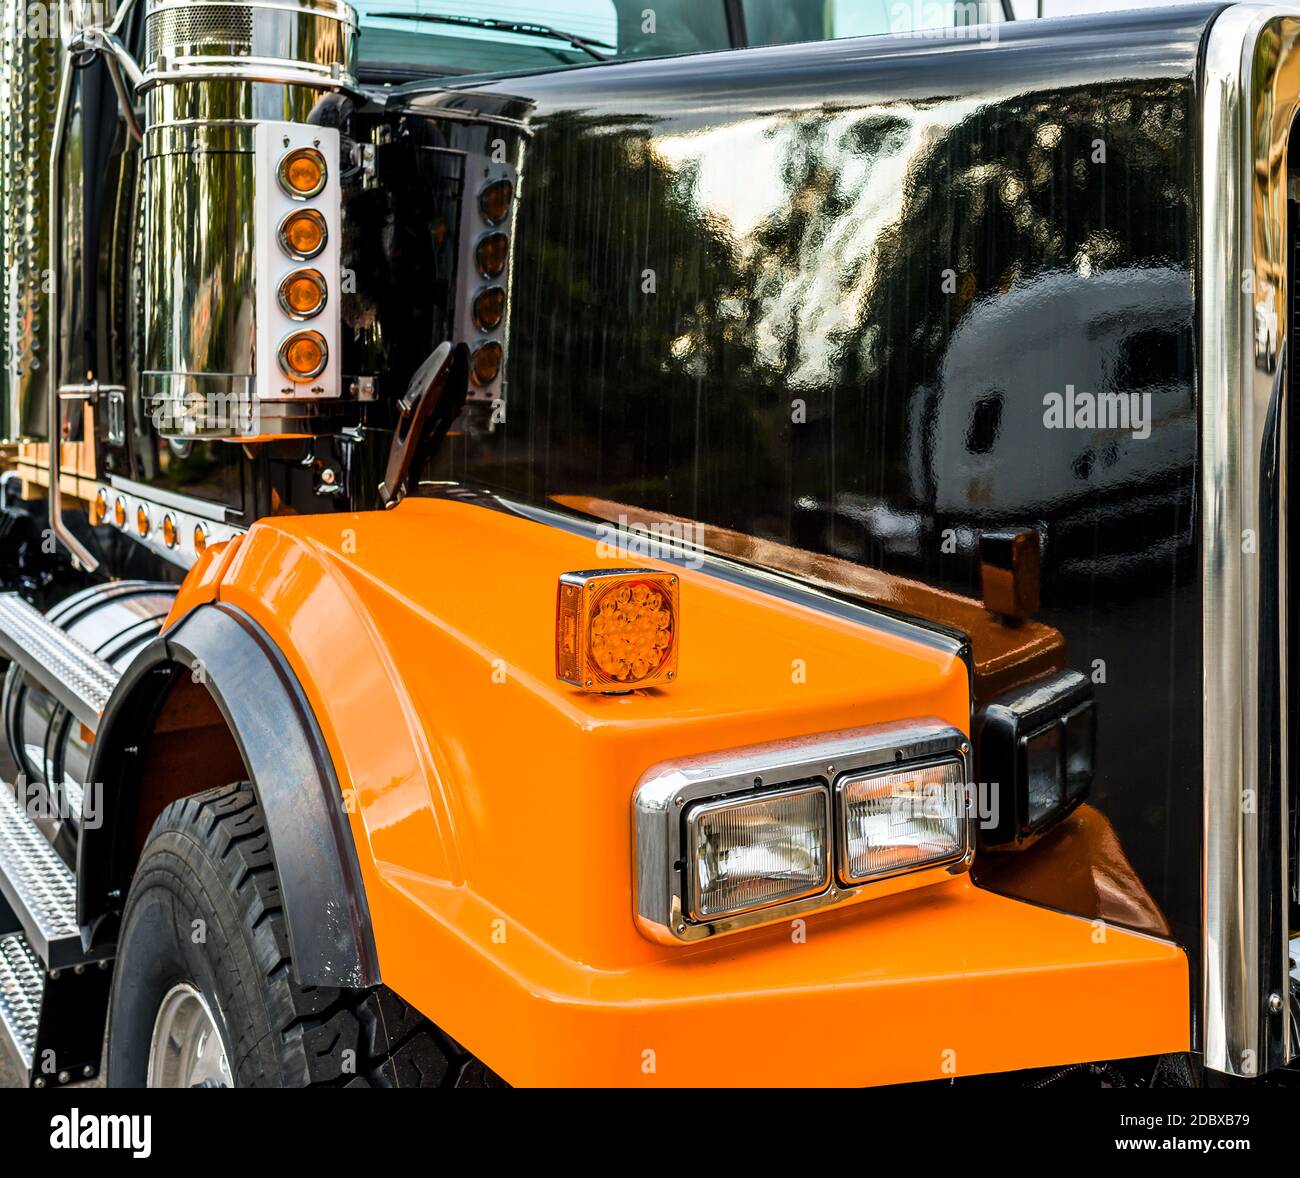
(327, 476)
(39, 1082)
(1275, 1003)
(87, 1071)
(64, 1077)
(78, 970)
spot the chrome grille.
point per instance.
(202, 28)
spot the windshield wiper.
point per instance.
(492, 24)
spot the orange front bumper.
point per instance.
(948, 981)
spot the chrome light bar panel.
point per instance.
(667, 789)
(186, 513)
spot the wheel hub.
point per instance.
(187, 1050)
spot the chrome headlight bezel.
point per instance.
(668, 790)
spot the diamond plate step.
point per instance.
(38, 887)
(78, 678)
(22, 986)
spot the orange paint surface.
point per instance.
(201, 583)
(491, 808)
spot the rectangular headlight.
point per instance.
(900, 819)
(757, 851)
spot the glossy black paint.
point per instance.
(818, 294)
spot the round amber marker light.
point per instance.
(485, 367)
(631, 631)
(99, 509)
(491, 254)
(302, 173)
(142, 521)
(303, 234)
(200, 540)
(169, 531)
(303, 356)
(303, 294)
(494, 201)
(119, 513)
(490, 308)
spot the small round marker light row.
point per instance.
(491, 255)
(143, 524)
(303, 235)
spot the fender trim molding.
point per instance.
(293, 777)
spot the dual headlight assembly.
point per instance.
(763, 834)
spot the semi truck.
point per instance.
(681, 543)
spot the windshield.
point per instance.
(408, 39)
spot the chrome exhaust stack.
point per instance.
(225, 85)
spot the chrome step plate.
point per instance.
(22, 984)
(38, 887)
(78, 678)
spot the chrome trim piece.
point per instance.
(679, 552)
(666, 790)
(109, 38)
(80, 553)
(1247, 118)
(271, 74)
(202, 508)
(186, 515)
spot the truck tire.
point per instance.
(203, 970)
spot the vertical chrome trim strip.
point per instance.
(54, 418)
(1243, 236)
